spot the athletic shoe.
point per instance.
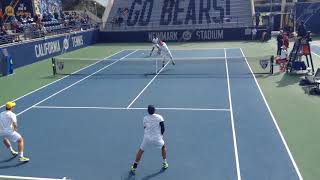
(165, 165)
(133, 169)
(173, 63)
(14, 153)
(24, 159)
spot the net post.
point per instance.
(271, 64)
(54, 67)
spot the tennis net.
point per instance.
(150, 66)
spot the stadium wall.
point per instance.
(36, 50)
(178, 35)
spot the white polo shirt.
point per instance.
(152, 129)
(6, 120)
(155, 40)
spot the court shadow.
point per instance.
(130, 176)
(7, 160)
(12, 165)
(153, 175)
(289, 79)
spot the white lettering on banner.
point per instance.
(166, 36)
(77, 41)
(210, 34)
(47, 48)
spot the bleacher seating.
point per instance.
(129, 15)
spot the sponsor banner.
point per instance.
(46, 48)
(177, 35)
(309, 13)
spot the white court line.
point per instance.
(316, 54)
(124, 108)
(274, 120)
(178, 49)
(147, 85)
(63, 77)
(235, 145)
(74, 83)
(29, 178)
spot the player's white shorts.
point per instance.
(146, 142)
(13, 136)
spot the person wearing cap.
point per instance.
(8, 131)
(153, 125)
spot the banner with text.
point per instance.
(178, 35)
(46, 48)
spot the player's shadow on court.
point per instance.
(153, 175)
(4, 164)
(12, 165)
(8, 159)
(131, 176)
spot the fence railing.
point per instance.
(32, 31)
(234, 22)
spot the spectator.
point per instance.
(1, 18)
(257, 16)
(279, 42)
(56, 15)
(3, 31)
(302, 32)
(254, 33)
(286, 40)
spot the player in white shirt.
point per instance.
(155, 42)
(8, 131)
(153, 125)
(165, 53)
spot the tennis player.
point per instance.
(8, 131)
(165, 53)
(155, 42)
(153, 136)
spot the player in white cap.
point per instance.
(8, 131)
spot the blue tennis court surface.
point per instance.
(89, 126)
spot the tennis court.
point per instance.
(218, 124)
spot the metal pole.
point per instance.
(271, 15)
(95, 5)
